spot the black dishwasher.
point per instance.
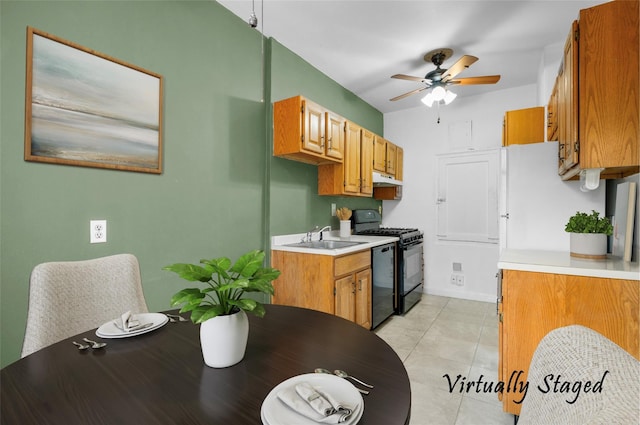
(383, 272)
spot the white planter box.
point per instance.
(588, 245)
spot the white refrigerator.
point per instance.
(535, 203)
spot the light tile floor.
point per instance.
(448, 336)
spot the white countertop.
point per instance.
(560, 262)
(278, 243)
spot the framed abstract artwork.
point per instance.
(87, 109)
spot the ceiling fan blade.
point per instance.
(487, 79)
(402, 96)
(408, 77)
(464, 62)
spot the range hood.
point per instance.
(384, 180)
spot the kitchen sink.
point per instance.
(324, 244)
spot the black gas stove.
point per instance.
(407, 236)
(367, 222)
(409, 261)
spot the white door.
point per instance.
(467, 197)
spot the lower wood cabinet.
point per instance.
(335, 285)
(533, 304)
(353, 297)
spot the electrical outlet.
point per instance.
(457, 279)
(97, 231)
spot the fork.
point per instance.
(175, 317)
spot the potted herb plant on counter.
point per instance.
(588, 235)
(220, 306)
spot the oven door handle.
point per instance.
(412, 246)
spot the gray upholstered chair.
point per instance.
(580, 354)
(70, 297)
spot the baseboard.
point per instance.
(465, 295)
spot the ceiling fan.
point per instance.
(442, 78)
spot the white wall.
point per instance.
(548, 71)
(422, 138)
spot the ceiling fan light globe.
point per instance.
(449, 96)
(439, 93)
(428, 100)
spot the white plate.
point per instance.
(275, 412)
(110, 330)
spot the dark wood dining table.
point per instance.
(160, 377)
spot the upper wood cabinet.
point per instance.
(366, 163)
(305, 131)
(346, 153)
(391, 158)
(601, 104)
(384, 156)
(379, 154)
(392, 193)
(567, 103)
(552, 114)
(523, 126)
(399, 163)
(354, 176)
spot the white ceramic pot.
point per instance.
(588, 245)
(224, 339)
(345, 228)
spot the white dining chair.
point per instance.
(603, 381)
(70, 297)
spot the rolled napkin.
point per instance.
(315, 404)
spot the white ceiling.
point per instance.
(360, 44)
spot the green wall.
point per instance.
(221, 192)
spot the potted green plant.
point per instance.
(220, 306)
(588, 235)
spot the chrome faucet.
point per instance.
(323, 229)
(315, 230)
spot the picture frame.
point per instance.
(87, 109)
